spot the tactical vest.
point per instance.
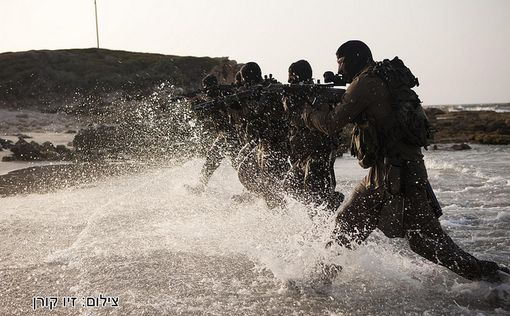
(410, 124)
(365, 143)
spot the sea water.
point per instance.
(158, 249)
(496, 107)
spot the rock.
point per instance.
(19, 135)
(64, 152)
(47, 146)
(485, 127)
(504, 131)
(462, 146)
(494, 126)
(100, 141)
(22, 115)
(6, 144)
(433, 112)
(493, 139)
(8, 158)
(23, 150)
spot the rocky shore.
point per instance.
(482, 127)
(99, 151)
(163, 137)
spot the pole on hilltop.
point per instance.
(97, 25)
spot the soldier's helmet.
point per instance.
(300, 72)
(210, 86)
(209, 81)
(251, 73)
(356, 56)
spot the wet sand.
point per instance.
(48, 178)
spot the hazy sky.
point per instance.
(459, 49)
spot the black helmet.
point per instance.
(300, 71)
(209, 81)
(251, 73)
(356, 56)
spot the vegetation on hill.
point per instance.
(46, 79)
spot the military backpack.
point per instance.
(411, 123)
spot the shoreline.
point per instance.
(25, 177)
(48, 178)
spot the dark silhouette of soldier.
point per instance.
(262, 163)
(311, 178)
(218, 122)
(396, 169)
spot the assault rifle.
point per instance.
(220, 90)
(330, 77)
(228, 100)
(316, 93)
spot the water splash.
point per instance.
(146, 239)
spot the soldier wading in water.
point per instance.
(390, 129)
(311, 178)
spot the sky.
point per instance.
(459, 49)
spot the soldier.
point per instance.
(311, 178)
(263, 160)
(219, 122)
(397, 171)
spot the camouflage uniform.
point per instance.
(365, 210)
(226, 143)
(262, 163)
(311, 178)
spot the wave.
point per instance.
(148, 229)
(500, 107)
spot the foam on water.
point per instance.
(497, 107)
(163, 250)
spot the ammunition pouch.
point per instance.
(365, 144)
(391, 220)
(394, 176)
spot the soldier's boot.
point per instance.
(492, 272)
